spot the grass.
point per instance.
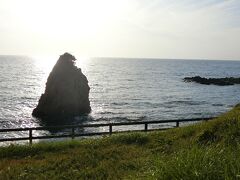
(208, 150)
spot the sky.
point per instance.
(178, 29)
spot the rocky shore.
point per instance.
(227, 81)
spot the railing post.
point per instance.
(73, 129)
(30, 136)
(73, 133)
(110, 129)
(145, 126)
(177, 123)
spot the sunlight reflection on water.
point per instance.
(121, 89)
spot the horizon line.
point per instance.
(118, 57)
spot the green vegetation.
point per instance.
(207, 150)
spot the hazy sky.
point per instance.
(208, 29)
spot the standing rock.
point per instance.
(67, 91)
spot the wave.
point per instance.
(121, 119)
(186, 102)
(217, 104)
(120, 103)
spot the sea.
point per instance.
(122, 90)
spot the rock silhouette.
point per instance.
(66, 93)
(227, 81)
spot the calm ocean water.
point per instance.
(121, 89)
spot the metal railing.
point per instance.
(74, 134)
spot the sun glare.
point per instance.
(46, 63)
(82, 62)
(72, 17)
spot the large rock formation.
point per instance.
(227, 81)
(66, 92)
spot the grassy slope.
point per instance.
(203, 151)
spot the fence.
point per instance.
(73, 134)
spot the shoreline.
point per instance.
(167, 154)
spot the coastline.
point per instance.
(146, 89)
(203, 150)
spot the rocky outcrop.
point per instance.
(227, 81)
(66, 93)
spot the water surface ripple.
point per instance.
(121, 89)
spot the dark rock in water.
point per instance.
(227, 81)
(66, 92)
